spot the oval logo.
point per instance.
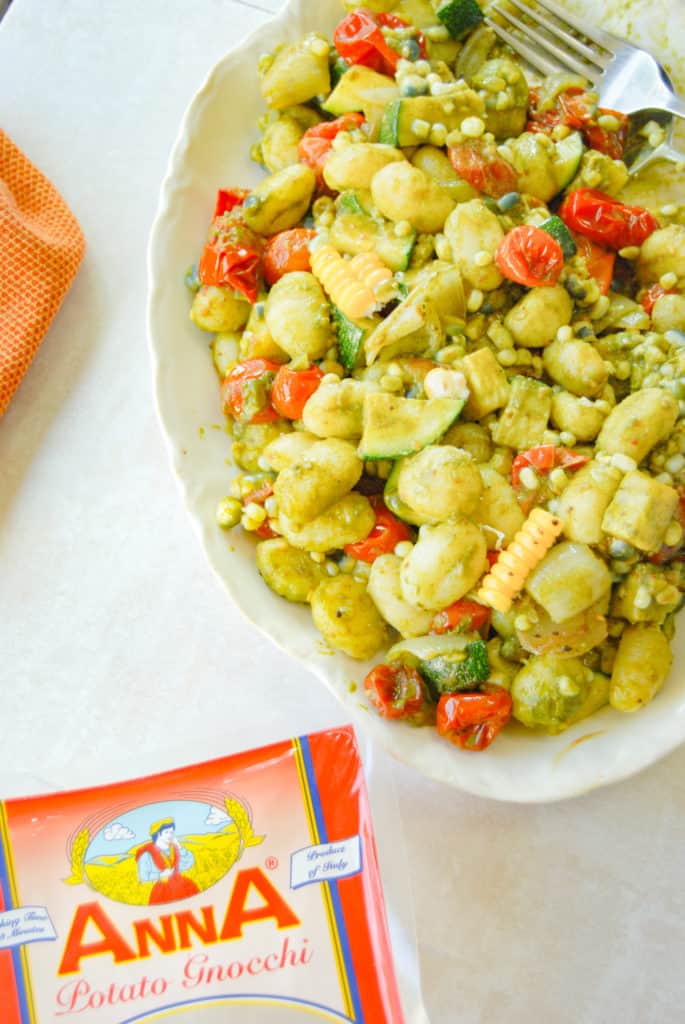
(161, 852)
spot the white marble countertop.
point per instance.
(118, 645)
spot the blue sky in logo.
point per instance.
(133, 827)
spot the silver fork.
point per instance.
(626, 78)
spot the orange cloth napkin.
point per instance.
(41, 248)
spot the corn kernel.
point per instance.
(558, 480)
(420, 128)
(475, 300)
(506, 357)
(438, 134)
(472, 127)
(500, 336)
(529, 478)
(253, 516)
(608, 122)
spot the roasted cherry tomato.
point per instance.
(611, 141)
(651, 296)
(605, 220)
(600, 262)
(228, 198)
(232, 254)
(386, 533)
(286, 252)
(396, 691)
(473, 720)
(317, 141)
(359, 39)
(245, 391)
(480, 164)
(578, 110)
(544, 458)
(292, 389)
(530, 256)
(462, 613)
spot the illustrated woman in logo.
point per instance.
(162, 860)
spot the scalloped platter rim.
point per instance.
(520, 767)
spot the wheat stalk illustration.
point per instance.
(78, 856)
(242, 822)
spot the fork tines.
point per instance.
(534, 35)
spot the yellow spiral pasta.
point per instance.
(368, 269)
(349, 284)
(517, 561)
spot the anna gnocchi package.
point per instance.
(242, 889)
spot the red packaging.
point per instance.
(246, 888)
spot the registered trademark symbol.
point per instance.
(271, 863)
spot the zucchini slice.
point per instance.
(395, 426)
(361, 90)
(567, 160)
(348, 202)
(351, 336)
(400, 118)
(460, 16)
(354, 231)
(555, 227)
(448, 663)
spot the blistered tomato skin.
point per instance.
(605, 220)
(292, 389)
(472, 721)
(286, 252)
(480, 164)
(529, 256)
(395, 691)
(245, 391)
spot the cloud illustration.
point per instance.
(118, 831)
(216, 817)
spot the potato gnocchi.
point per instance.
(452, 361)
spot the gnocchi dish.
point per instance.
(452, 361)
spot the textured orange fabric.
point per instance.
(41, 248)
